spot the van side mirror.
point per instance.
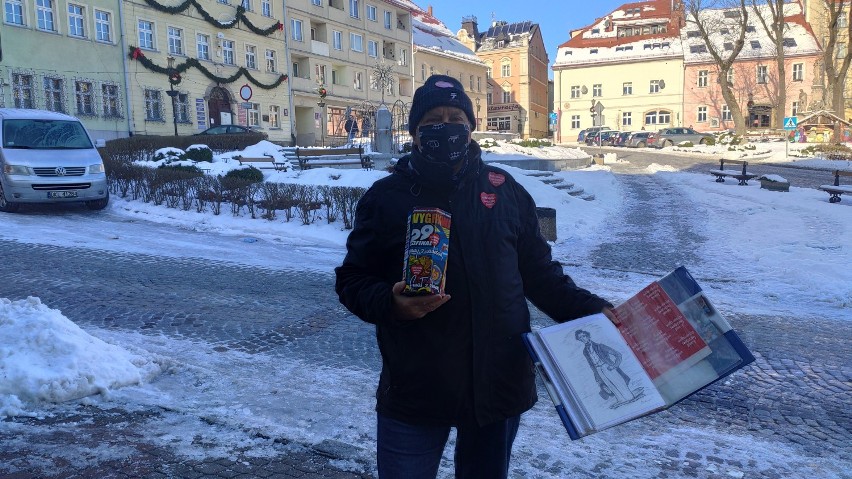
(100, 143)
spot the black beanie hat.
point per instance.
(439, 90)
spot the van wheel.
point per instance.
(702, 141)
(641, 144)
(98, 204)
(667, 143)
(7, 206)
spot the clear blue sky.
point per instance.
(555, 17)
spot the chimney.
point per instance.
(430, 11)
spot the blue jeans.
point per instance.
(405, 451)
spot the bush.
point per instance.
(487, 143)
(169, 154)
(533, 143)
(250, 175)
(686, 144)
(710, 141)
(189, 171)
(199, 153)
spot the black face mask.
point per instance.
(445, 143)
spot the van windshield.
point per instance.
(45, 134)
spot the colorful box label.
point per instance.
(426, 246)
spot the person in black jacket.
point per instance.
(455, 359)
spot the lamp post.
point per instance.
(174, 79)
(478, 120)
(321, 103)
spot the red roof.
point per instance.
(662, 9)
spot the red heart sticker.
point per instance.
(488, 199)
(416, 269)
(496, 179)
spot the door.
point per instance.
(219, 102)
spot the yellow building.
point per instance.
(628, 63)
(229, 60)
(516, 64)
(438, 51)
(816, 14)
(342, 46)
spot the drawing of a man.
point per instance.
(605, 362)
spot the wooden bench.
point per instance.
(743, 176)
(837, 189)
(309, 157)
(263, 159)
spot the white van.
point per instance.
(48, 157)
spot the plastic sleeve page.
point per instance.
(597, 364)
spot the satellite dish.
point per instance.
(662, 84)
(584, 90)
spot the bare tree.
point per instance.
(383, 77)
(835, 55)
(772, 19)
(712, 21)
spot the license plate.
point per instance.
(61, 194)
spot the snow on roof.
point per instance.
(430, 33)
(642, 49)
(651, 19)
(798, 38)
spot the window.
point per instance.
(693, 34)
(795, 108)
(507, 96)
(317, 2)
(655, 86)
(506, 69)
(731, 77)
(789, 42)
(371, 13)
(175, 41)
(626, 118)
(202, 46)
(702, 114)
(111, 102)
(698, 49)
(266, 8)
(627, 88)
(45, 15)
(575, 91)
(387, 20)
(337, 40)
(274, 116)
(732, 14)
(320, 73)
(471, 83)
(597, 90)
(422, 71)
(798, 72)
(762, 74)
(357, 81)
(254, 114)
(271, 61)
(841, 50)
(374, 85)
(22, 90)
(228, 52)
(403, 57)
(85, 98)
(488, 72)
(489, 98)
(593, 51)
(182, 108)
(14, 11)
(153, 105)
(661, 117)
(373, 48)
(726, 113)
(103, 26)
(755, 44)
(356, 42)
(295, 70)
(500, 123)
(750, 29)
(355, 8)
(246, 4)
(843, 20)
(478, 83)
(575, 122)
(728, 46)
(146, 34)
(296, 29)
(702, 78)
(53, 100)
(251, 57)
(75, 21)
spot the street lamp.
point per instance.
(478, 120)
(321, 103)
(174, 79)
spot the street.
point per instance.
(259, 316)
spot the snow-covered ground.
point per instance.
(46, 359)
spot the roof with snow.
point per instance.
(506, 35)
(429, 33)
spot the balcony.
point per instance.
(319, 48)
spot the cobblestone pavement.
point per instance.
(797, 393)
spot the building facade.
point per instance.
(629, 65)
(198, 65)
(816, 15)
(359, 52)
(754, 77)
(516, 63)
(42, 64)
(438, 51)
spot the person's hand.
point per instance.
(415, 307)
(609, 314)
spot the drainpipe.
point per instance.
(124, 49)
(292, 114)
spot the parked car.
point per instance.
(652, 139)
(673, 136)
(622, 138)
(48, 157)
(229, 130)
(638, 139)
(602, 137)
(581, 138)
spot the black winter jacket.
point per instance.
(466, 360)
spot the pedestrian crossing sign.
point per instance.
(790, 123)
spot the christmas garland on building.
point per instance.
(137, 54)
(240, 17)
